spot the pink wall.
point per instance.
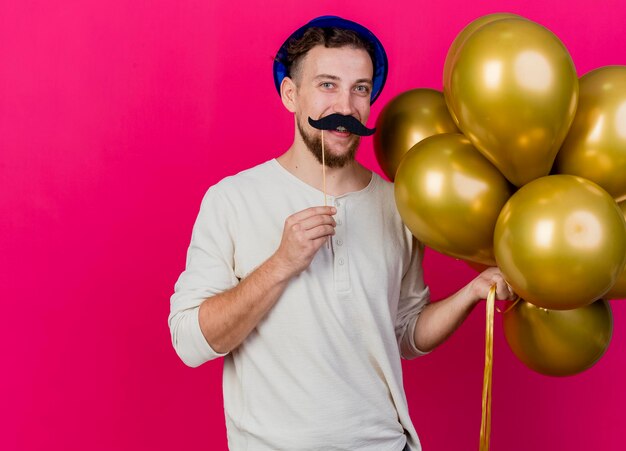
(115, 117)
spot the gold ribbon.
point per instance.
(485, 425)
(510, 307)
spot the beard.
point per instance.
(314, 144)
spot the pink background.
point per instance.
(115, 117)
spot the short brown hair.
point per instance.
(328, 37)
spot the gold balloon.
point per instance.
(466, 33)
(406, 120)
(595, 147)
(618, 291)
(559, 342)
(560, 241)
(514, 89)
(449, 196)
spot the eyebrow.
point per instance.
(334, 77)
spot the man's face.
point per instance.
(333, 80)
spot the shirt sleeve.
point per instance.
(209, 271)
(414, 296)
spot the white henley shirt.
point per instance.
(322, 370)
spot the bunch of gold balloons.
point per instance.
(521, 164)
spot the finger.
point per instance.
(502, 289)
(321, 231)
(490, 272)
(312, 211)
(513, 295)
(317, 220)
(319, 242)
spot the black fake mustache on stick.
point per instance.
(350, 123)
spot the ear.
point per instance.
(288, 94)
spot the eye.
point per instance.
(327, 85)
(362, 89)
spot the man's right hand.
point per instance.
(303, 235)
(227, 318)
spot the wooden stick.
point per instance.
(324, 171)
(324, 181)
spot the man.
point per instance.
(312, 306)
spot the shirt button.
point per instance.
(339, 242)
(339, 222)
(337, 203)
(341, 261)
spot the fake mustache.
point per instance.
(349, 123)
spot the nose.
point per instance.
(343, 103)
